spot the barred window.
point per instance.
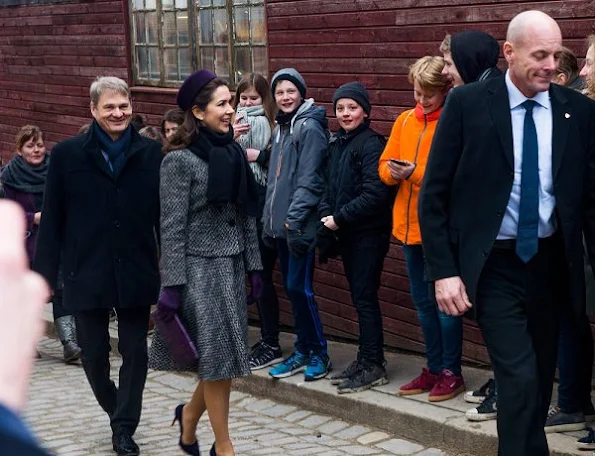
(172, 38)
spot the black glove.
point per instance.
(326, 241)
(298, 243)
(268, 241)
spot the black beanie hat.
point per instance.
(473, 52)
(356, 92)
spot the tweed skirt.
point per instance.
(214, 312)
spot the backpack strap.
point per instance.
(358, 142)
(297, 128)
(296, 131)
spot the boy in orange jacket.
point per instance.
(403, 163)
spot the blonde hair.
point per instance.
(427, 71)
(445, 45)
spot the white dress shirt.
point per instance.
(542, 116)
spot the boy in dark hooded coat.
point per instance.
(470, 56)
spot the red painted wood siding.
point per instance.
(50, 53)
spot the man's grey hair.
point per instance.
(105, 83)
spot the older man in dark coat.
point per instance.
(101, 212)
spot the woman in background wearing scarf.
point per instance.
(23, 180)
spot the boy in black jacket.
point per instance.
(356, 212)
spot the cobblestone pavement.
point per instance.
(65, 416)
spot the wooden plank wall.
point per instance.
(49, 55)
(375, 41)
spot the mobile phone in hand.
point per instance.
(399, 162)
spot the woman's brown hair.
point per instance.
(568, 65)
(175, 115)
(262, 87)
(151, 133)
(190, 128)
(26, 133)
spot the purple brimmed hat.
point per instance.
(192, 85)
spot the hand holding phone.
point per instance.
(400, 162)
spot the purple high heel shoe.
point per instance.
(191, 449)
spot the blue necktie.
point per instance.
(527, 235)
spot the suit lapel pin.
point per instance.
(567, 115)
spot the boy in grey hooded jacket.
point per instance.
(290, 219)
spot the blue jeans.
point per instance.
(298, 274)
(443, 333)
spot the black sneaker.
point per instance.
(367, 376)
(263, 355)
(587, 442)
(559, 421)
(345, 374)
(477, 396)
(485, 411)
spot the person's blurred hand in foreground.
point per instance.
(22, 297)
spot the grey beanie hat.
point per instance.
(291, 75)
(354, 91)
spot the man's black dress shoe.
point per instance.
(124, 445)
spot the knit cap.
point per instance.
(356, 92)
(291, 75)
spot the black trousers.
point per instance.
(122, 404)
(268, 304)
(575, 363)
(57, 299)
(517, 312)
(57, 306)
(363, 258)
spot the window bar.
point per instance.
(230, 43)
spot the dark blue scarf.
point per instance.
(115, 150)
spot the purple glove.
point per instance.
(169, 300)
(172, 329)
(257, 286)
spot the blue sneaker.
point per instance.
(318, 367)
(297, 362)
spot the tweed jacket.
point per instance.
(190, 226)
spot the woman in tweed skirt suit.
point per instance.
(209, 242)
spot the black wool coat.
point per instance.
(105, 226)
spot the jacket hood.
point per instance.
(474, 52)
(309, 110)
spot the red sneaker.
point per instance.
(448, 386)
(425, 382)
